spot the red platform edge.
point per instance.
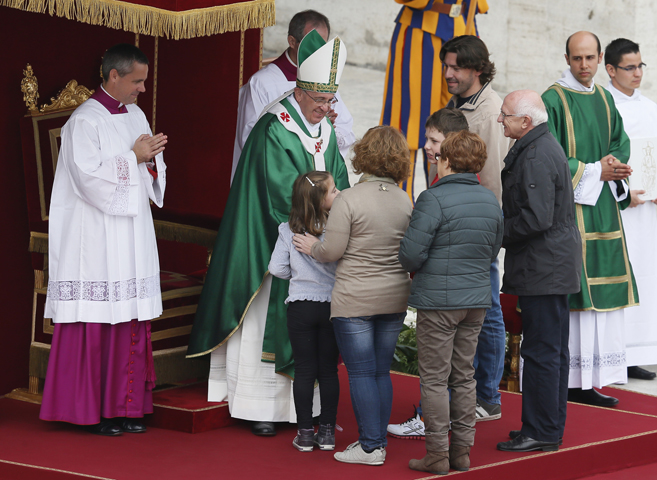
(186, 409)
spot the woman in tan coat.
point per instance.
(368, 303)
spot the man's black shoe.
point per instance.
(105, 428)
(516, 433)
(525, 444)
(591, 397)
(640, 373)
(263, 429)
(130, 425)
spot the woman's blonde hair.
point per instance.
(383, 152)
(464, 151)
(308, 193)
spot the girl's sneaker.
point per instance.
(325, 437)
(304, 440)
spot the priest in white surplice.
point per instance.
(280, 76)
(624, 66)
(104, 274)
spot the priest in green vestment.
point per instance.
(584, 119)
(241, 316)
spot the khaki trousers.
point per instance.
(447, 341)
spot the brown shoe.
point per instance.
(459, 458)
(434, 462)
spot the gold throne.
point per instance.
(40, 136)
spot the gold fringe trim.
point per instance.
(156, 22)
(178, 232)
(248, 305)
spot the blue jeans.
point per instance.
(489, 359)
(367, 345)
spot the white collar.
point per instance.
(568, 80)
(312, 129)
(620, 97)
(120, 104)
(287, 55)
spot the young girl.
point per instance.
(309, 310)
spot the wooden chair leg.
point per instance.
(513, 381)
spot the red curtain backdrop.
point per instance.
(197, 87)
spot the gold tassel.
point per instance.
(39, 360)
(156, 22)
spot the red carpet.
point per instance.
(596, 441)
(644, 472)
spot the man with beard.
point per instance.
(468, 72)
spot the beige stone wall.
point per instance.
(526, 37)
(365, 26)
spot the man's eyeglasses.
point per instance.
(320, 102)
(632, 68)
(504, 115)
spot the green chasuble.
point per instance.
(588, 127)
(260, 199)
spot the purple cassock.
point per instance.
(95, 369)
(288, 69)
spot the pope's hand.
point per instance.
(146, 147)
(332, 116)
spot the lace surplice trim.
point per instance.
(121, 197)
(614, 359)
(580, 185)
(101, 291)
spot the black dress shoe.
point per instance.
(263, 429)
(640, 373)
(525, 444)
(130, 425)
(516, 433)
(591, 397)
(105, 428)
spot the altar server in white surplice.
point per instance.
(280, 76)
(624, 66)
(104, 274)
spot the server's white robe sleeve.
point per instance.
(109, 184)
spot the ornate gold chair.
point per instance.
(40, 132)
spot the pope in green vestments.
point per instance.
(279, 149)
(588, 127)
(260, 199)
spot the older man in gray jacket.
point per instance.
(542, 266)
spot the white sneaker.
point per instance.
(411, 429)
(354, 453)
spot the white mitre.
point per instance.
(320, 63)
